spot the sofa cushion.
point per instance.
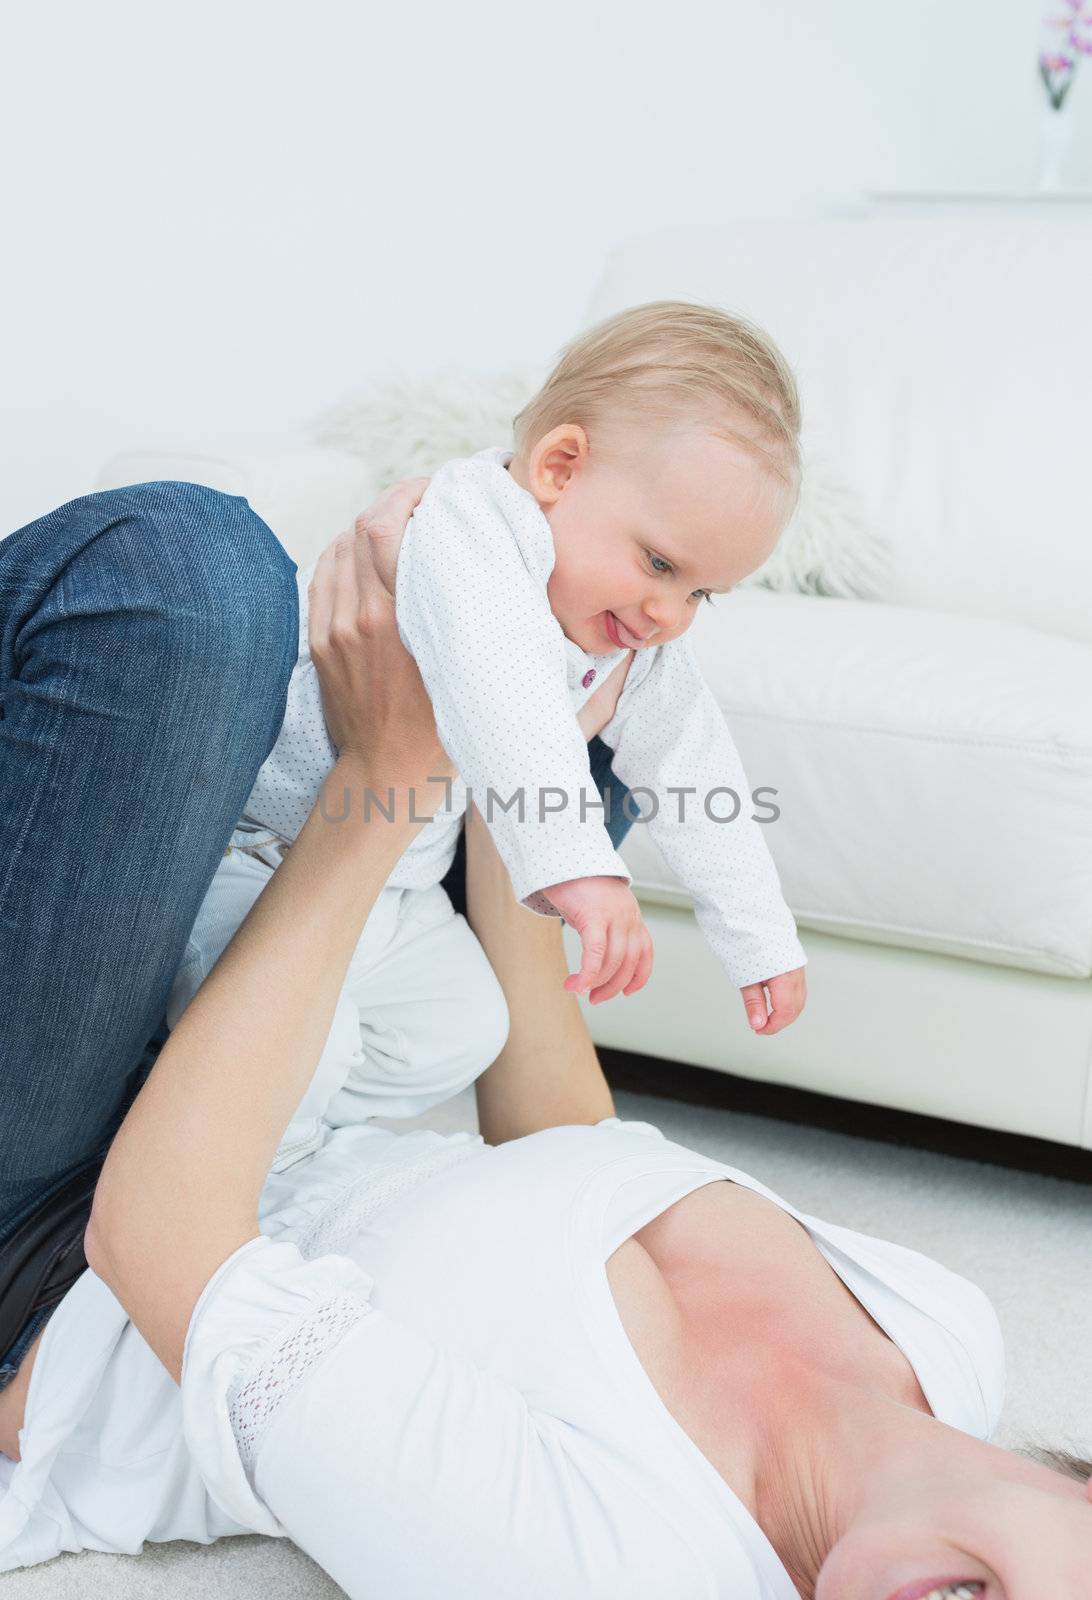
(934, 774)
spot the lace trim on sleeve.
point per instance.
(256, 1393)
(340, 1223)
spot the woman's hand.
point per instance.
(374, 702)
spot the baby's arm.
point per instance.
(472, 609)
(669, 734)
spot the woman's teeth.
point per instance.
(955, 1591)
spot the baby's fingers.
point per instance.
(618, 971)
(787, 995)
(593, 941)
(754, 998)
(643, 969)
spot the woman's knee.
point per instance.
(220, 586)
(213, 538)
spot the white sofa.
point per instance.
(933, 753)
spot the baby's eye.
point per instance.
(658, 563)
(704, 594)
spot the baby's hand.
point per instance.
(788, 992)
(617, 947)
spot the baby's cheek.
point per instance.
(560, 599)
(674, 633)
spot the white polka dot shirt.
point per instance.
(505, 685)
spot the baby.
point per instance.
(654, 469)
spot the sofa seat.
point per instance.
(934, 774)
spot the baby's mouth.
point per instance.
(616, 629)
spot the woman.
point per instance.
(586, 1362)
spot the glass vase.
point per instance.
(1055, 134)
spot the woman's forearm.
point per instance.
(197, 1144)
(548, 1073)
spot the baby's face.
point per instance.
(641, 537)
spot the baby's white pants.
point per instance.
(420, 1014)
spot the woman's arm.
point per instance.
(548, 1073)
(180, 1187)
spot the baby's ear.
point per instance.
(553, 462)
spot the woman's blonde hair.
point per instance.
(668, 360)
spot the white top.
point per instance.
(418, 1373)
(505, 684)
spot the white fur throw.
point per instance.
(407, 427)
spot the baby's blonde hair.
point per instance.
(672, 360)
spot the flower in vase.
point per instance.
(1057, 68)
(1057, 72)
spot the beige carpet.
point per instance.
(1027, 1240)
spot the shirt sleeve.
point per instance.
(672, 746)
(943, 1323)
(401, 1465)
(265, 1318)
(473, 611)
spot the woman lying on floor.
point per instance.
(584, 1362)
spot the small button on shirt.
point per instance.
(505, 683)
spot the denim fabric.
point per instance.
(613, 817)
(618, 818)
(147, 638)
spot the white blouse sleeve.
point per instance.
(400, 1466)
(473, 611)
(264, 1320)
(669, 733)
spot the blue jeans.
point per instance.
(147, 637)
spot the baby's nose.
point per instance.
(662, 614)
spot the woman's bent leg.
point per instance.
(147, 636)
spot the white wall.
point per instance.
(220, 216)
